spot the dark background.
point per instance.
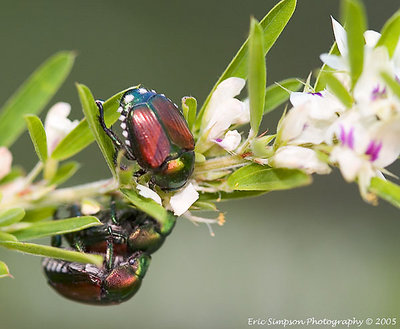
(317, 251)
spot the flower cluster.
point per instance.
(361, 139)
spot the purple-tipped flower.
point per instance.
(373, 150)
(378, 93)
(347, 139)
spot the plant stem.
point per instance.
(65, 195)
(34, 173)
(220, 163)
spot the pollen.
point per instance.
(221, 219)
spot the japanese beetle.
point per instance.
(126, 240)
(156, 135)
(125, 228)
(86, 283)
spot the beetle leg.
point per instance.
(56, 240)
(110, 249)
(114, 138)
(77, 242)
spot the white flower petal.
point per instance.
(340, 36)
(57, 125)
(297, 157)
(148, 193)
(349, 162)
(389, 135)
(334, 61)
(231, 140)
(181, 201)
(5, 161)
(371, 38)
(224, 110)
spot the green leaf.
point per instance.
(224, 196)
(355, 25)
(255, 177)
(38, 136)
(392, 83)
(319, 86)
(55, 227)
(203, 205)
(257, 75)
(33, 95)
(4, 272)
(164, 217)
(272, 25)
(91, 112)
(386, 190)
(66, 171)
(7, 237)
(39, 214)
(11, 216)
(390, 34)
(47, 251)
(277, 94)
(81, 136)
(189, 107)
(336, 87)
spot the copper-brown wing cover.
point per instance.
(173, 121)
(150, 139)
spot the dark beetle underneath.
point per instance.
(126, 239)
(156, 135)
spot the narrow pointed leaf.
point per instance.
(336, 87)
(54, 227)
(4, 272)
(386, 190)
(224, 196)
(33, 95)
(189, 107)
(276, 94)
(272, 24)
(390, 33)
(63, 173)
(81, 136)
(38, 136)
(7, 237)
(260, 178)
(163, 216)
(47, 251)
(355, 25)
(39, 214)
(11, 216)
(91, 112)
(392, 83)
(257, 75)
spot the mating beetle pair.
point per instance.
(126, 239)
(156, 136)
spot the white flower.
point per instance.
(5, 161)
(230, 142)
(224, 109)
(370, 92)
(181, 201)
(365, 148)
(309, 119)
(148, 193)
(57, 125)
(296, 157)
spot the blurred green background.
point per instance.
(316, 251)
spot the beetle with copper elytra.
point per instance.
(156, 136)
(126, 239)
